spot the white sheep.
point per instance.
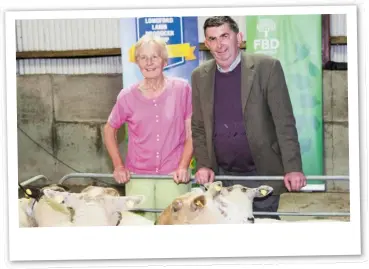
(127, 218)
(50, 212)
(238, 202)
(240, 210)
(29, 209)
(217, 205)
(195, 207)
(91, 211)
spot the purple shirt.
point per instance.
(230, 142)
(156, 127)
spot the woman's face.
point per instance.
(149, 61)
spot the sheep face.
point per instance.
(239, 200)
(195, 207)
(241, 194)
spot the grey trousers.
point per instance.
(266, 204)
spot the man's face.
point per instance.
(223, 44)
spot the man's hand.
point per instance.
(181, 175)
(121, 174)
(294, 181)
(204, 175)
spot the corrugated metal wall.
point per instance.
(338, 27)
(98, 65)
(67, 34)
(75, 34)
(339, 53)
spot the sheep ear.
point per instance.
(112, 192)
(55, 196)
(198, 202)
(217, 185)
(177, 205)
(207, 185)
(138, 199)
(50, 193)
(215, 188)
(262, 191)
(86, 189)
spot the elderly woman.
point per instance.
(158, 112)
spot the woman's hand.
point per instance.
(181, 175)
(121, 174)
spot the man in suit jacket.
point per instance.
(243, 122)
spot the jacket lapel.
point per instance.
(207, 100)
(247, 77)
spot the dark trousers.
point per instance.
(265, 204)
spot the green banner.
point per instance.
(296, 41)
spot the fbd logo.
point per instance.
(266, 44)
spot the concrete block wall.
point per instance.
(335, 90)
(65, 114)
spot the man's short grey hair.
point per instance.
(150, 38)
(217, 21)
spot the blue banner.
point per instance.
(182, 43)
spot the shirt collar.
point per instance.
(232, 66)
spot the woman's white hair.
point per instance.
(150, 38)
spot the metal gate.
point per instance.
(261, 178)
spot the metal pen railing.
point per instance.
(222, 178)
(294, 214)
(33, 179)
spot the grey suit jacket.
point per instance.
(268, 116)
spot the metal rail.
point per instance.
(136, 176)
(33, 179)
(331, 214)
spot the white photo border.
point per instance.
(276, 240)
